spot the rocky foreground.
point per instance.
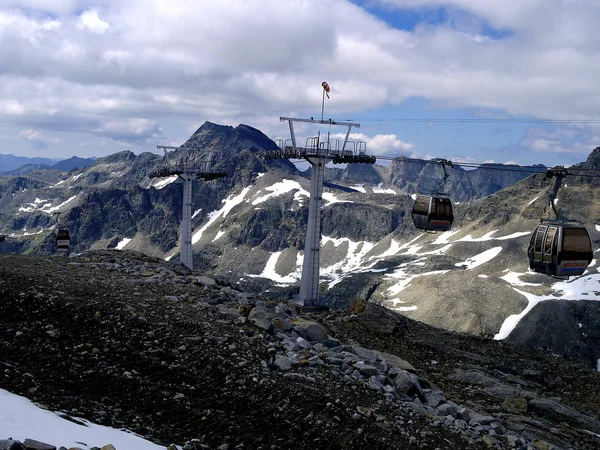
(135, 342)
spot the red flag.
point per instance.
(326, 87)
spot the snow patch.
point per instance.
(444, 237)
(563, 290)
(270, 273)
(196, 212)
(56, 208)
(160, 184)
(219, 234)
(533, 200)
(406, 308)
(380, 190)
(330, 198)
(359, 188)
(351, 262)
(597, 227)
(513, 279)
(123, 243)
(280, 188)
(511, 321)
(405, 279)
(230, 203)
(21, 419)
(482, 258)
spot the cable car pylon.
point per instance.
(318, 154)
(188, 168)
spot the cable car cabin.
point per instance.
(432, 213)
(560, 249)
(62, 240)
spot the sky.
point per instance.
(90, 78)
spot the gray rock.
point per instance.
(447, 409)
(407, 383)
(549, 408)
(9, 444)
(393, 360)
(364, 353)
(282, 324)
(435, 398)
(480, 419)
(366, 369)
(31, 444)
(205, 281)
(283, 362)
(311, 331)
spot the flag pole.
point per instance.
(323, 104)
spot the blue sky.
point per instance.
(90, 78)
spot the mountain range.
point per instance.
(21, 165)
(249, 230)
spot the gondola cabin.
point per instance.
(432, 213)
(560, 249)
(62, 240)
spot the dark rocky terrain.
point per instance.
(128, 340)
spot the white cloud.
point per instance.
(380, 144)
(89, 20)
(72, 65)
(560, 140)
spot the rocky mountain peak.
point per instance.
(228, 140)
(118, 157)
(593, 160)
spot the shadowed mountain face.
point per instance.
(249, 228)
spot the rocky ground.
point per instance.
(131, 341)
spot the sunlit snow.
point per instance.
(219, 234)
(394, 248)
(56, 208)
(597, 227)
(359, 188)
(330, 199)
(230, 203)
(196, 212)
(444, 237)
(351, 262)
(163, 182)
(21, 419)
(513, 279)
(280, 188)
(579, 288)
(122, 243)
(380, 190)
(533, 200)
(405, 279)
(488, 237)
(482, 258)
(270, 273)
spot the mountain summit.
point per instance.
(228, 140)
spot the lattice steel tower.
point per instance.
(318, 153)
(188, 167)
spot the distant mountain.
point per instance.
(27, 168)
(21, 165)
(249, 228)
(72, 163)
(12, 162)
